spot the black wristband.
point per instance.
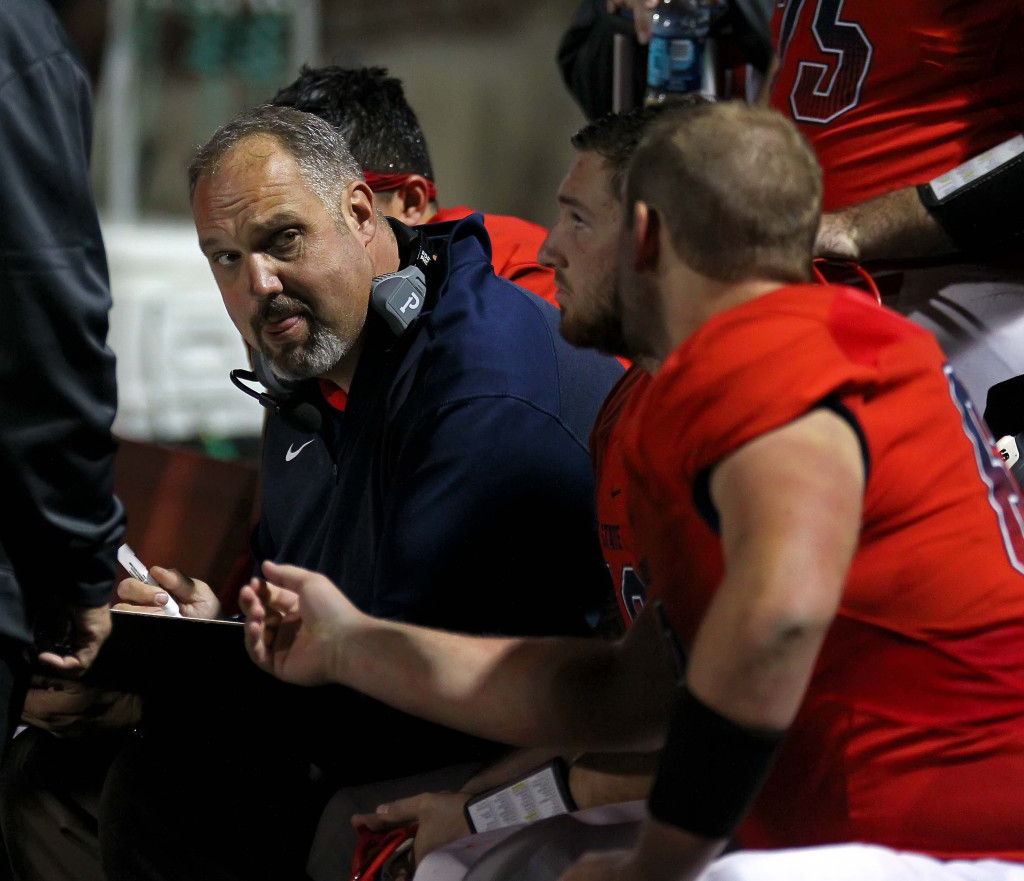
(710, 770)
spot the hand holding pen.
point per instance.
(163, 591)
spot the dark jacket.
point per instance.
(59, 522)
(455, 490)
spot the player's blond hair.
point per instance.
(738, 187)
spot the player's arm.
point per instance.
(594, 778)
(894, 226)
(609, 778)
(970, 209)
(790, 508)
(573, 693)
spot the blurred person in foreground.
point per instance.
(370, 109)
(60, 524)
(852, 611)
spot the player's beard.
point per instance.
(595, 323)
(316, 355)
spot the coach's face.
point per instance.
(581, 249)
(294, 277)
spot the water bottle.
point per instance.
(680, 58)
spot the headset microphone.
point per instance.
(300, 416)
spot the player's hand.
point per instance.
(439, 815)
(85, 629)
(642, 10)
(195, 598)
(837, 237)
(67, 708)
(295, 623)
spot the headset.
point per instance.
(299, 415)
(397, 297)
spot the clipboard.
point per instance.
(145, 652)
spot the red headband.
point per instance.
(384, 183)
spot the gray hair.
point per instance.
(319, 150)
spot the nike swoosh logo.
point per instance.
(291, 454)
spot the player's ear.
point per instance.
(413, 200)
(646, 237)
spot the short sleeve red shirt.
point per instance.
(911, 733)
(893, 96)
(514, 246)
(613, 527)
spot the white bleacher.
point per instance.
(173, 339)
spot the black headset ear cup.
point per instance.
(398, 297)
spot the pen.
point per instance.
(134, 567)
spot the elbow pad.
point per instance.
(980, 204)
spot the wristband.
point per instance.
(710, 770)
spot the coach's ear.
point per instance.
(359, 211)
(646, 237)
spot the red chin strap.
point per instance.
(385, 183)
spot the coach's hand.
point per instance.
(67, 708)
(195, 598)
(84, 629)
(295, 622)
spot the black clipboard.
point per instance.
(153, 651)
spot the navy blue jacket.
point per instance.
(456, 488)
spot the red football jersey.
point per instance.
(911, 733)
(514, 246)
(610, 478)
(894, 95)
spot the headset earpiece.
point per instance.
(398, 297)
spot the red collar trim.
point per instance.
(335, 395)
